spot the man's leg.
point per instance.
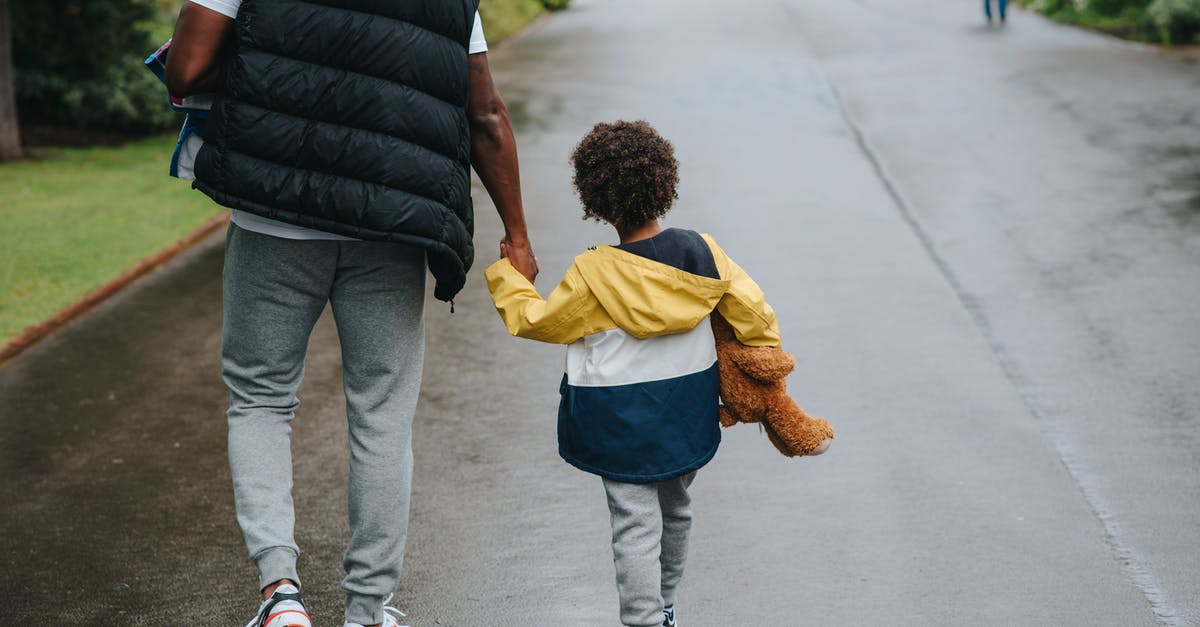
(987, 9)
(676, 506)
(378, 302)
(637, 531)
(274, 290)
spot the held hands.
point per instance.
(520, 254)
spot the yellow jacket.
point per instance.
(608, 288)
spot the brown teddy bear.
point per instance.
(753, 389)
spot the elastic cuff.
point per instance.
(276, 563)
(364, 609)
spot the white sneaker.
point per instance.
(669, 616)
(283, 609)
(388, 619)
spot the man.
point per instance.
(342, 136)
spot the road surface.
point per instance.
(981, 244)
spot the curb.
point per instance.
(32, 335)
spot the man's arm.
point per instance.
(494, 155)
(192, 63)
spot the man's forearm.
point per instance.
(494, 155)
(206, 84)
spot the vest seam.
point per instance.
(349, 178)
(381, 236)
(226, 142)
(465, 45)
(250, 44)
(454, 158)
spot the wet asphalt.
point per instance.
(983, 248)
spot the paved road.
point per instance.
(982, 247)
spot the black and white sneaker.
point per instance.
(669, 616)
(283, 609)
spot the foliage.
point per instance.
(1173, 22)
(78, 64)
(1177, 21)
(75, 219)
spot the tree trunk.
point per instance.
(10, 135)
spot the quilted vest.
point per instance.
(350, 116)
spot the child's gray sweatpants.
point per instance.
(274, 291)
(650, 523)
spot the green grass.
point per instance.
(75, 219)
(502, 18)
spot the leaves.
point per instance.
(78, 64)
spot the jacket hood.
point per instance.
(647, 298)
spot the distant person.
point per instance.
(342, 135)
(640, 392)
(1001, 6)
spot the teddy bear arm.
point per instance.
(764, 363)
(794, 431)
(726, 416)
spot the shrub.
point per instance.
(1173, 22)
(78, 64)
(1115, 7)
(1177, 21)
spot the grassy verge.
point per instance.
(502, 18)
(1170, 22)
(75, 219)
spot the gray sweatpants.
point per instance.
(274, 291)
(650, 523)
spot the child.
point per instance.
(640, 391)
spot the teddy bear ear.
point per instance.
(766, 364)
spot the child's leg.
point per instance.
(637, 526)
(676, 507)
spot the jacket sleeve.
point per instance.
(744, 305)
(559, 319)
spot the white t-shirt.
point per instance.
(267, 226)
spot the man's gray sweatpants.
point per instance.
(650, 523)
(274, 291)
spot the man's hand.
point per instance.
(520, 256)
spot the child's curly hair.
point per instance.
(625, 173)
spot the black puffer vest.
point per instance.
(350, 116)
